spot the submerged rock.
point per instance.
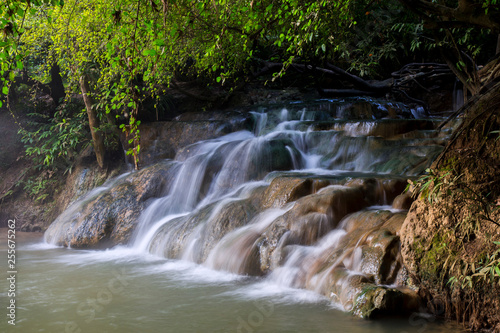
(377, 301)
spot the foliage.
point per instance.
(381, 38)
(132, 46)
(431, 186)
(436, 184)
(13, 15)
(487, 270)
(132, 49)
(39, 187)
(53, 143)
(132, 131)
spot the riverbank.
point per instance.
(451, 236)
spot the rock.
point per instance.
(271, 243)
(365, 220)
(377, 301)
(162, 140)
(358, 110)
(395, 223)
(385, 128)
(283, 190)
(28, 227)
(366, 255)
(308, 229)
(110, 216)
(231, 216)
(172, 239)
(310, 219)
(252, 160)
(403, 201)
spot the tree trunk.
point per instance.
(498, 44)
(56, 85)
(97, 138)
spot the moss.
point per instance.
(433, 259)
(377, 301)
(450, 164)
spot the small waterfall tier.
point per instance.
(304, 195)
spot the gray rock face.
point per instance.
(163, 140)
(108, 216)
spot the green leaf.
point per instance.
(5, 90)
(149, 52)
(159, 42)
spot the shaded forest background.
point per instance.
(79, 75)
(122, 56)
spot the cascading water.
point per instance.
(294, 200)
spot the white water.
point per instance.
(120, 290)
(240, 157)
(73, 208)
(213, 174)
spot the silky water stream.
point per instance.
(284, 228)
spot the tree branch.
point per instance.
(464, 12)
(383, 87)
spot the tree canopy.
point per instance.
(121, 52)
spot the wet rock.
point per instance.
(310, 219)
(336, 201)
(309, 228)
(376, 301)
(367, 254)
(358, 110)
(109, 217)
(365, 220)
(252, 160)
(403, 201)
(238, 120)
(229, 217)
(172, 239)
(237, 254)
(163, 140)
(271, 243)
(29, 227)
(386, 128)
(283, 190)
(395, 223)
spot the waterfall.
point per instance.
(458, 96)
(304, 199)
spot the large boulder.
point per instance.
(311, 217)
(108, 215)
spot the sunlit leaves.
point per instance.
(220, 40)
